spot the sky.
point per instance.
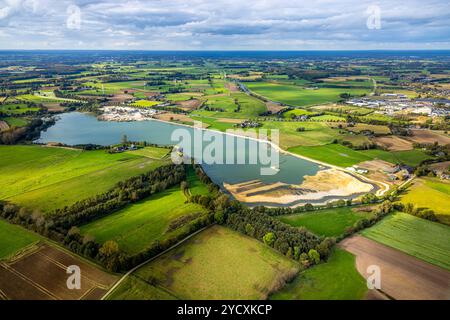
(224, 25)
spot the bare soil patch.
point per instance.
(403, 277)
(120, 98)
(3, 126)
(274, 107)
(428, 136)
(42, 275)
(232, 86)
(169, 116)
(441, 166)
(394, 143)
(189, 105)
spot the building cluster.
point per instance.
(392, 103)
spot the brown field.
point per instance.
(428, 136)
(376, 129)
(393, 143)
(274, 107)
(403, 277)
(377, 165)
(41, 275)
(169, 116)
(3, 126)
(119, 98)
(441, 166)
(54, 107)
(232, 87)
(189, 105)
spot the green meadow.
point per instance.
(342, 156)
(301, 96)
(218, 263)
(224, 106)
(46, 178)
(334, 154)
(418, 237)
(337, 279)
(314, 134)
(138, 225)
(14, 238)
(327, 222)
(430, 193)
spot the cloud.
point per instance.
(224, 24)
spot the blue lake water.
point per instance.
(81, 128)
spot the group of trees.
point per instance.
(423, 213)
(61, 225)
(295, 243)
(125, 192)
(377, 214)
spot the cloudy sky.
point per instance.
(224, 24)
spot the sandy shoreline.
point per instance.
(337, 193)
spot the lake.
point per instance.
(81, 128)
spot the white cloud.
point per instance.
(226, 24)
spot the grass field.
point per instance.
(135, 227)
(15, 122)
(218, 263)
(296, 113)
(412, 157)
(430, 193)
(300, 96)
(328, 222)
(151, 152)
(342, 156)
(316, 133)
(250, 107)
(17, 109)
(135, 288)
(45, 178)
(334, 154)
(13, 238)
(420, 238)
(337, 279)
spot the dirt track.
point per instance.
(403, 277)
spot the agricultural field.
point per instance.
(297, 113)
(14, 238)
(334, 154)
(420, 238)
(411, 157)
(151, 152)
(137, 226)
(403, 277)
(337, 279)
(314, 134)
(15, 122)
(233, 106)
(430, 193)
(327, 222)
(47, 178)
(301, 96)
(343, 156)
(205, 267)
(17, 109)
(41, 274)
(145, 103)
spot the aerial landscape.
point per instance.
(224, 174)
